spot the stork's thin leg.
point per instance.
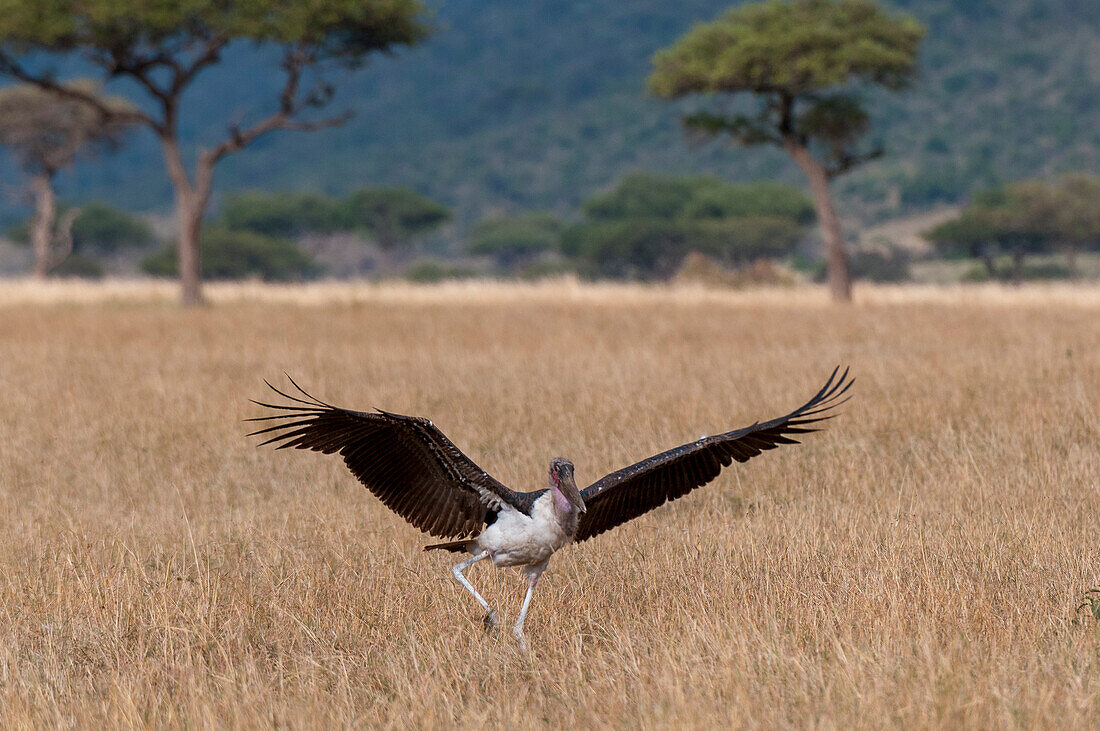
(491, 617)
(533, 578)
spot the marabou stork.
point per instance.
(417, 472)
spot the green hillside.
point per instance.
(535, 105)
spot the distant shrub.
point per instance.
(104, 228)
(515, 239)
(933, 183)
(881, 266)
(644, 195)
(433, 270)
(874, 266)
(645, 248)
(641, 195)
(393, 216)
(1004, 271)
(807, 265)
(237, 255)
(99, 227)
(80, 266)
(1045, 270)
(546, 268)
(717, 199)
(976, 274)
(283, 214)
(700, 269)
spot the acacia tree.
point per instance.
(163, 45)
(974, 233)
(1026, 217)
(47, 133)
(1065, 211)
(394, 215)
(515, 241)
(801, 60)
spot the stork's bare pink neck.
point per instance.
(562, 504)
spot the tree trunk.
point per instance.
(836, 252)
(1017, 266)
(191, 202)
(45, 211)
(189, 221)
(1071, 260)
(990, 264)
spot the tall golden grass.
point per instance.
(918, 563)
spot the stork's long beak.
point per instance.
(568, 487)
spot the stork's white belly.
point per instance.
(515, 539)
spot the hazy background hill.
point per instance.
(534, 105)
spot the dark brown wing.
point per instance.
(406, 461)
(630, 492)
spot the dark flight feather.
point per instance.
(635, 490)
(408, 463)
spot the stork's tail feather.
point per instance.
(453, 546)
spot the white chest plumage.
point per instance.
(516, 539)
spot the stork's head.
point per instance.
(561, 480)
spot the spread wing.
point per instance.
(634, 490)
(413, 468)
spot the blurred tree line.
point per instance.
(1021, 219)
(644, 228)
(256, 234)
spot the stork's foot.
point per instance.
(520, 638)
(490, 621)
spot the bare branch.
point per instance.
(335, 120)
(210, 56)
(123, 62)
(10, 67)
(845, 161)
(290, 105)
(746, 130)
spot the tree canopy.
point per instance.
(102, 228)
(394, 215)
(46, 132)
(514, 239)
(283, 214)
(794, 48)
(157, 32)
(804, 59)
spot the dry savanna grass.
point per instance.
(919, 563)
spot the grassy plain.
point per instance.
(917, 564)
